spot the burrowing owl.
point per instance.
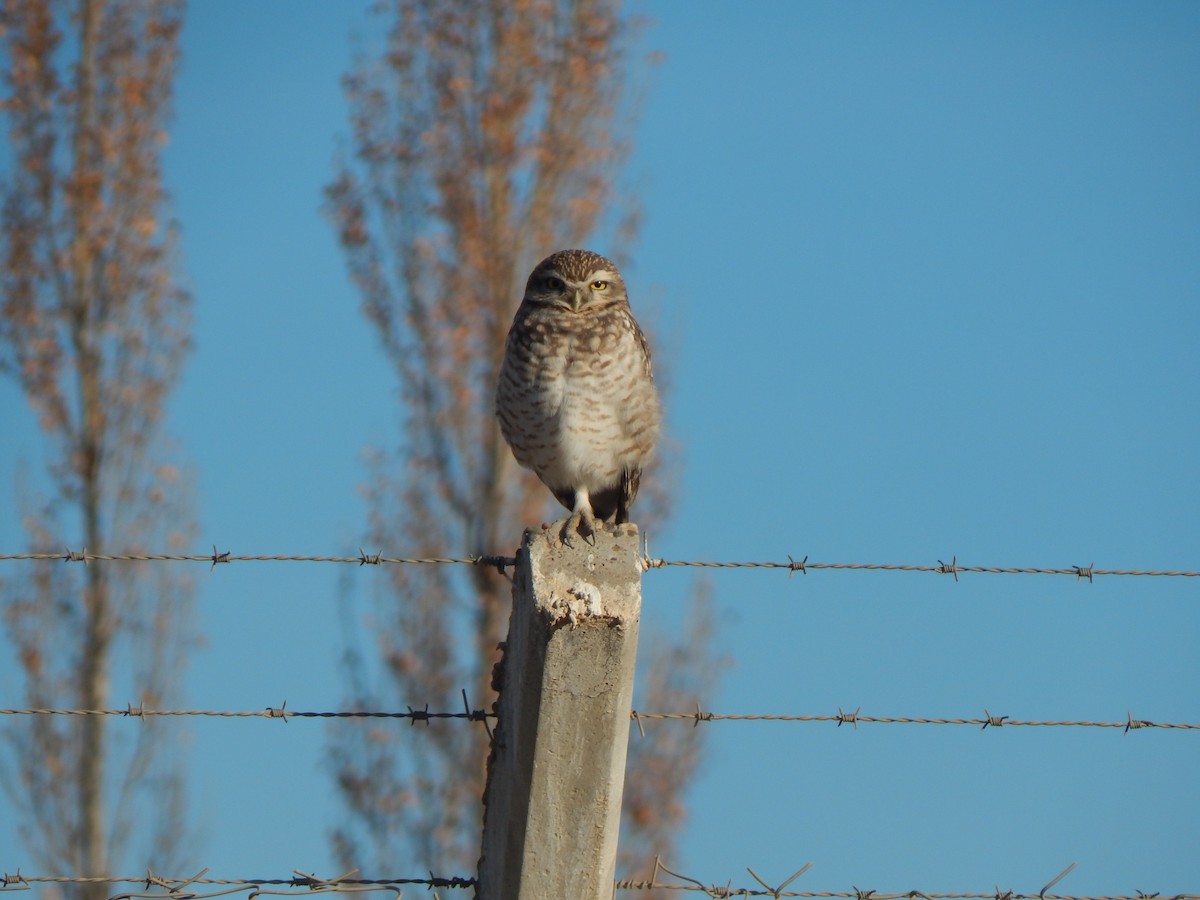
(576, 398)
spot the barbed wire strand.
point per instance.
(416, 715)
(413, 714)
(470, 714)
(156, 887)
(854, 718)
(803, 566)
(727, 890)
(304, 882)
(218, 557)
(501, 563)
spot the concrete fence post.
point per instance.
(552, 804)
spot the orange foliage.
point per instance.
(485, 136)
(93, 328)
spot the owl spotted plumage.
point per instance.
(576, 399)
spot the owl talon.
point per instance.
(580, 523)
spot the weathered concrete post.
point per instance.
(557, 769)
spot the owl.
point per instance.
(575, 398)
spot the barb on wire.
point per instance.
(14, 882)
(994, 721)
(950, 569)
(173, 886)
(312, 884)
(637, 720)
(1056, 879)
(854, 718)
(476, 715)
(777, 890)
(712, 890)
(218, 557)
(152, 879)
(499, 563)
(307, 880)
(1131, 722)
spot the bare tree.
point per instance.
(93, 327)
(485, 136)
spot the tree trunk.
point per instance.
(94, 663)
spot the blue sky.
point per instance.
(926, 279)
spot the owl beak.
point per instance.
(577, 300)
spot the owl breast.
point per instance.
(575, 399)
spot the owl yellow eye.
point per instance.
(551, 283)
(599, 285)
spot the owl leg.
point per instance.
(630, 480)
(582, 521)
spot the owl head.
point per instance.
(577, 281)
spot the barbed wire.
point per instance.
(219, 557)
(854, 718)
(766, 889)
(470, 714)
(803, 566)
(302, 882)
(501, 563)
(140, 712)
(161, 888)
